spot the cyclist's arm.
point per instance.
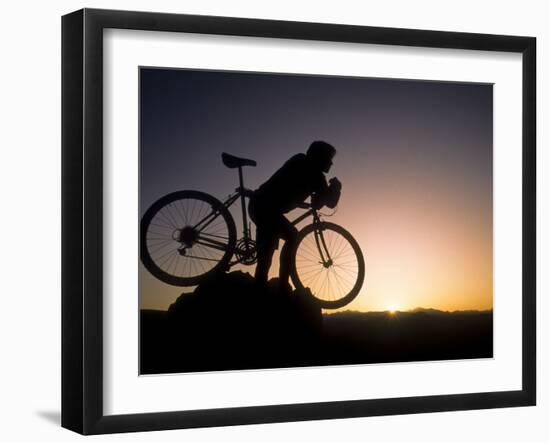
(327, 195)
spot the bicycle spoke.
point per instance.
(166, 214)
(184, 210)
(161, 225)
(341, 286)
(157, 248)
(180, 212)
(174, 213)
(348, 280)
(160, 216)
(315, 280)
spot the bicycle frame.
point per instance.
(241, 193)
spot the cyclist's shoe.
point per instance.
(279, 286)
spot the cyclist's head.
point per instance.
(321, 153)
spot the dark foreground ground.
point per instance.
(229, 322)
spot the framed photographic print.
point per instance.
(270, 221)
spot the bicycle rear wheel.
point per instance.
(186, 236)
(328, 261)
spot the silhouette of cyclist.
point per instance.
(302, 176)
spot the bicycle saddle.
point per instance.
(236, 162)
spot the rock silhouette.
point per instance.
(229, 322)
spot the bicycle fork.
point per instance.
(322, 248)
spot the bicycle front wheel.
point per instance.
(328, 261)
(186, 236)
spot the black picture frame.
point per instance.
(82, 218)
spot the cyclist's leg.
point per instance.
(289, 233)
(264, 240)
(266, 243)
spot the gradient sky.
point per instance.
(415, 159)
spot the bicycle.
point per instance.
(187, 236)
